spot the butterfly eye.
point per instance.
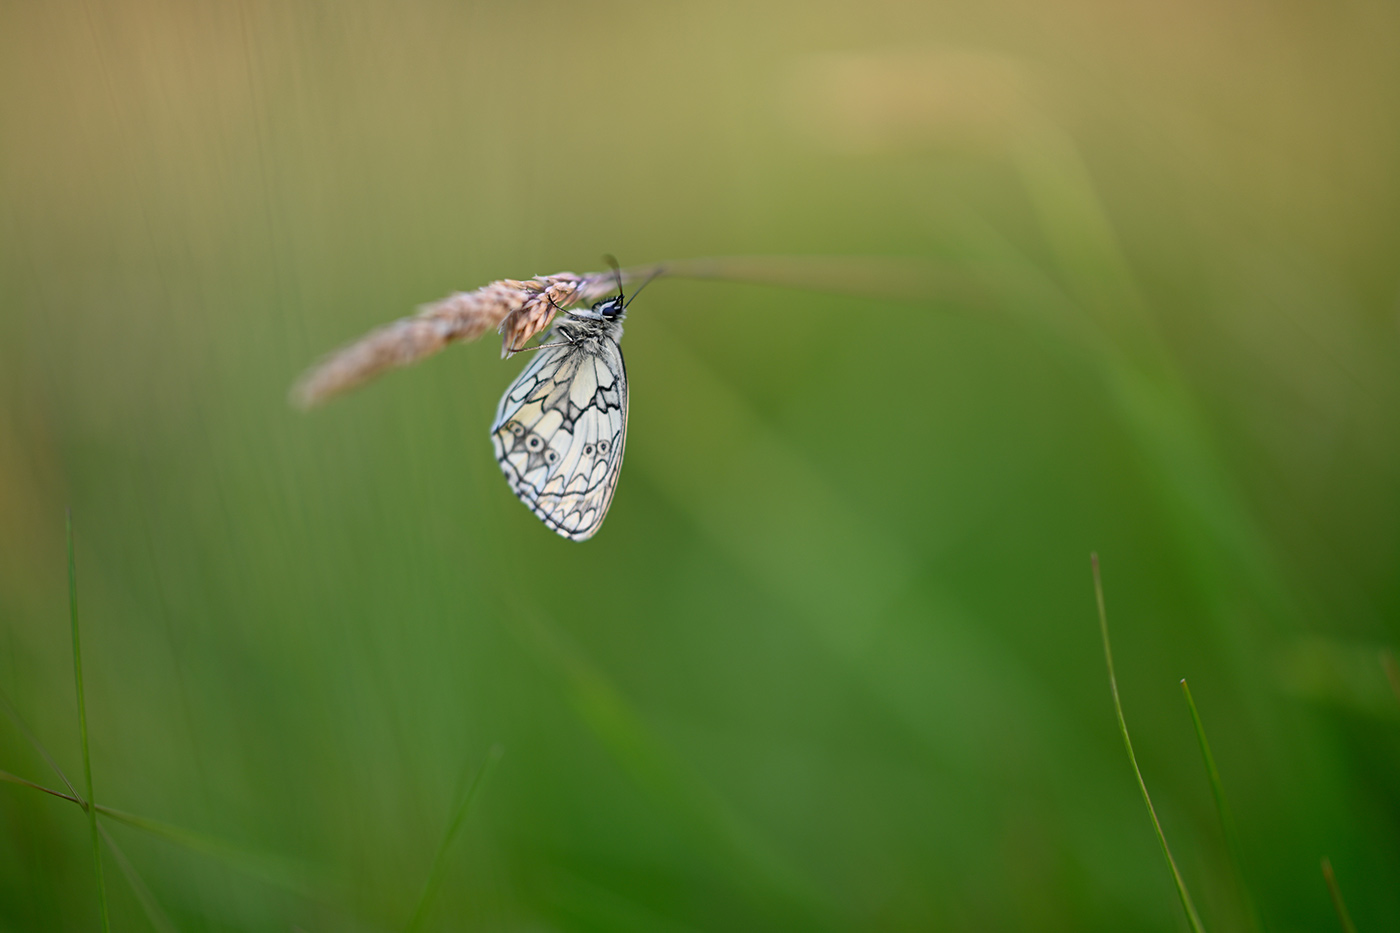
(551, 456)
(603, 448)
(588, 450)
(534, 443)
(516, 428)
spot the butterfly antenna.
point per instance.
(611, 260)
(647, 281)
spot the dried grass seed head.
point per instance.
(519, 309)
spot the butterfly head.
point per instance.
(610, 309)
(614, 308)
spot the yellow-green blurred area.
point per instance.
(833, 662)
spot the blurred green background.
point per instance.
(833, 663)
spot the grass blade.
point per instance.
(1181, 891)
(280, 872)
(148, 901)
(1227, 822)
(16, 779)
(277, 871)
(1336, 892)
(82, 727)
(439, 865)
(38, 746)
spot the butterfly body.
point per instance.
(561, 426)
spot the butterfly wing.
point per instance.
(559, 434)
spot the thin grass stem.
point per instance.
(16, 779)
(279, 872)
(284, 873)
(158, 918)
(1341, 907)
(82, 726)
(33, 740)
(435, 871)
(1190, 908)
(1227, 821)
(147, 900)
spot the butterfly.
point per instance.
(561, 426)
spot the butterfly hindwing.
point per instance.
(559, 434)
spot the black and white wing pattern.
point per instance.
(559, 434)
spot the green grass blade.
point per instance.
(279, 872)
(148, 902)
(284, 873)
(275, 870)
(1342, 915)
(435, 872)
(83, 729)
(1227, 822)
(1181, 891)
(38, 746)
(16, 779)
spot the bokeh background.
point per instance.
(833, 662)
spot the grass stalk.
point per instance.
(274, 870)
(23, 782)
(90, 805)
(38, 746)
(439, 865)
(278, 871)
(159, 920)
(1341, 907)
(1227, 822)
(1191, 916)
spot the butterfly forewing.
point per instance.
(560, 431)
